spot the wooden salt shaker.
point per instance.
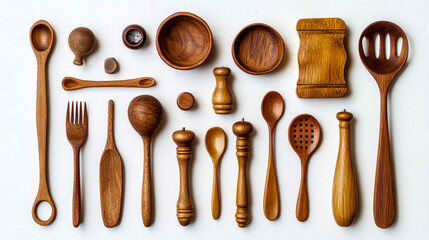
(242, 129)
(222, 97)
(183, 138)
(344, 194)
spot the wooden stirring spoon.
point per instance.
(215, 144)
(71, 83)
(41, 38)
(110, 177)
(384, 69)
(272, 110)
(304, 135)
(145, 113)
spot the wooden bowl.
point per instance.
(258, 49)
(184, 41)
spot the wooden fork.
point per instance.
(77, 128)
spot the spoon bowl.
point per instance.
(41, 37)
(215, 143)
(145, 113)
(272, 107)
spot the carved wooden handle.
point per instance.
(71, 83)
(222, 97)
(76, 209)
(242, 214)
(147, 184)
(215, 193)
(184, 204)
(302, 202)
(344, 194)
(271, 192)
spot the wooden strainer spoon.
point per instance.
(384, 69)
(304, 135)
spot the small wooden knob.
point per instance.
(183, 139)
(111, 65)
(185, 101)
(222, 99)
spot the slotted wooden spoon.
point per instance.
(384, 69)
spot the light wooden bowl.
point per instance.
(258, 49)
(184, 41)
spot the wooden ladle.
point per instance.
(71, 83)
(384, 69)
(145, 113)
(41, 38)
(272, 110)
(215, 144)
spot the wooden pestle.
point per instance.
(183, 138)
(242, 129)
(344, 194)
(222, 97)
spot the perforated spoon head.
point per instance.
(304, 134)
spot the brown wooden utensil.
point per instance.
(304, 135)
(76, 128)
(41, 38)
(71, 83)
(384, 69)
(145, 113)
(272, 110)
(215, 142)
(110, 177)
(81, 42)
(222, 99)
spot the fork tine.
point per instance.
(68, 114)
(80, 114)
(85, 116)
(72, 119)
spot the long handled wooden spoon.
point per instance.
(41, 38)
(384, 69)
(110, 177)
(71, 83)
(272, 110)
(215, 144)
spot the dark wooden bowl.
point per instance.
(184, 41)
(258, 49)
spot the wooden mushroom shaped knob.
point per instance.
(222, 97)
(242, 129)
(344, 194)
(183, 138)
(81, 42)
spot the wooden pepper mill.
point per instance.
(222, 97)
(242, 129)
(183, 138)
(344, 194)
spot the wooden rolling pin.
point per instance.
(71, 83)
(344, 193)
(242, 129)
(183, 138)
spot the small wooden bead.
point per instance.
(185, 101)
(111, 65)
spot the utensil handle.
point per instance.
(184, 203)
(384, 194)
(271, 193)
(302, 202)
(147, 184)
(71, 83)
(242, 214)
(215, 194)
(76, 208)
(344, 194)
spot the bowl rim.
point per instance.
(267, 28)
(160, 51)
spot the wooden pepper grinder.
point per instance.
(344, 194)
(222, 97)
(242, 129)
(183, 138)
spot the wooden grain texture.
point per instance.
(344, 190)
(215, 142)
(183, 139)
(130, 30)
(185, 101)
(184, 41)
(71, 83)
(242, 130)
(258, 49)
(272, 108)
(111, 65)
(76, 129)
(304, 135)
(222, 98)
(111, 175)
(41, 39)
(145, 114)
(82, 43)
(321, 58)
(384, 69)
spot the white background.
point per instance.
(408, 113)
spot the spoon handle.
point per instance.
(147, 184)
(384, 194)
(76, 189)
(302, 202)
(71, 83)
(271, 193)
(215, 194)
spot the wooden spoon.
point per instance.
(41, 38)
(215, 144)
(71, 83)
(145, 113)
(384, 69)
(110, 178)
(304, 135)
(272, 110)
